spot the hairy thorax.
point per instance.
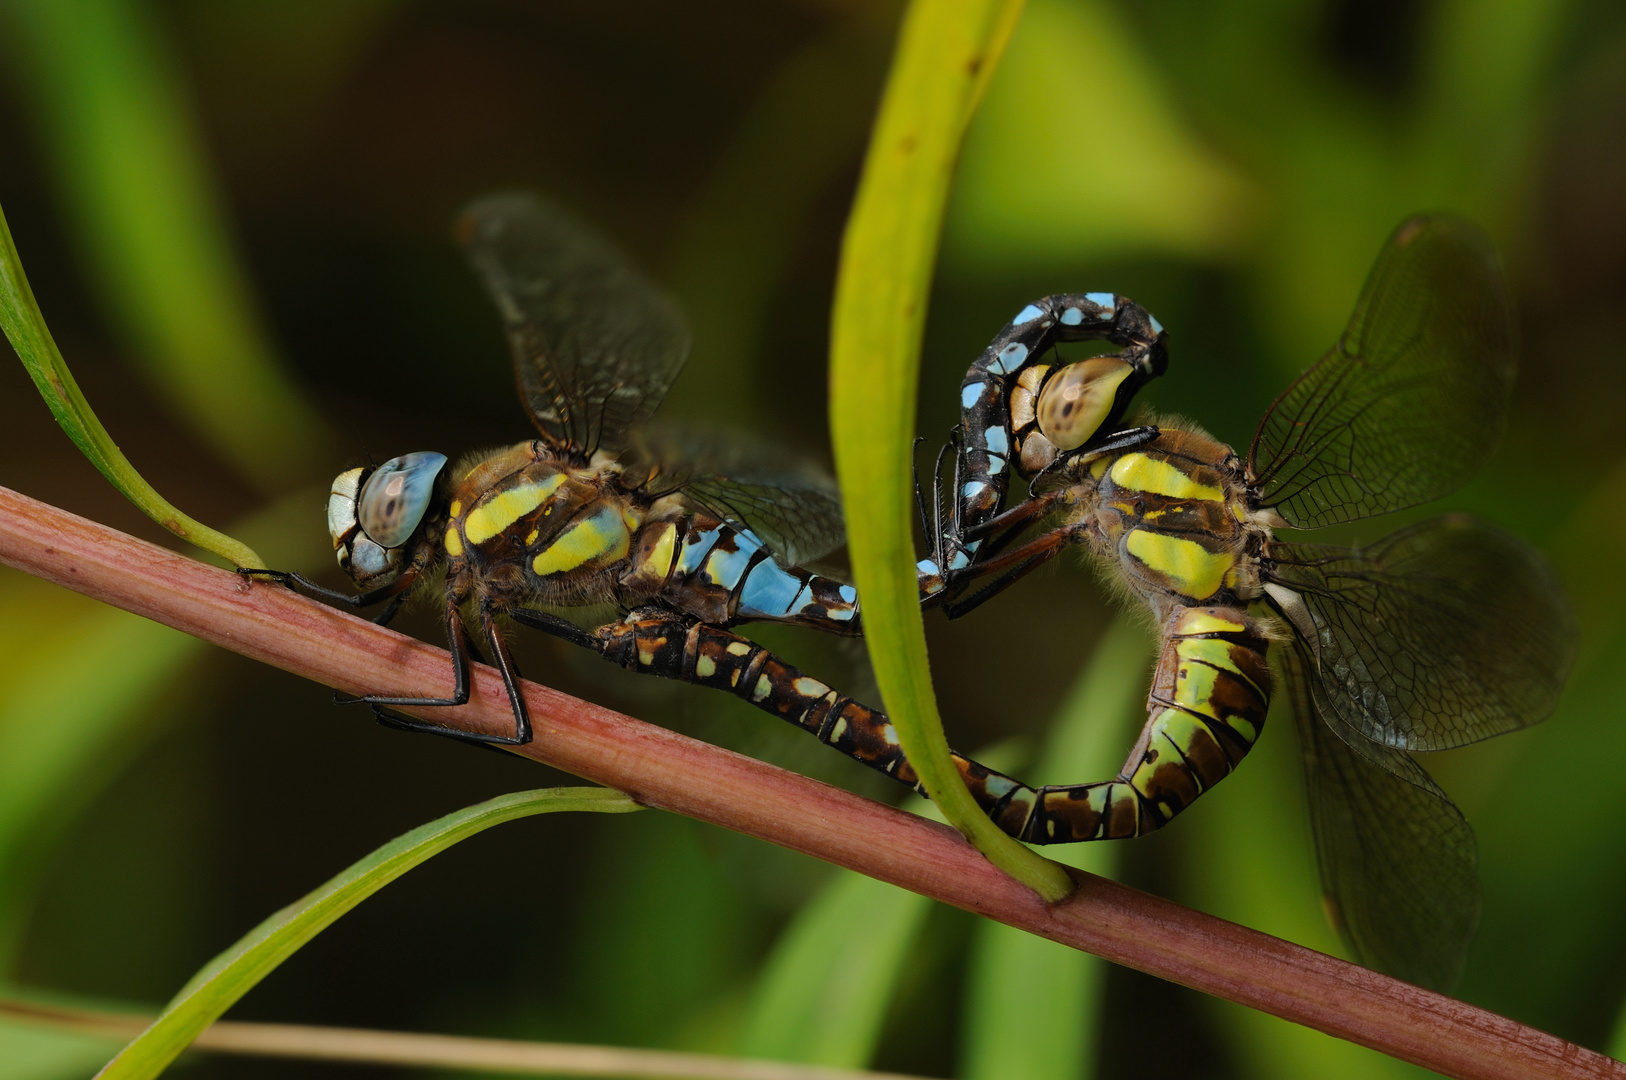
(527, 526)
(1172, 517)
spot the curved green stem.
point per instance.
(25, 328)
(946, 52)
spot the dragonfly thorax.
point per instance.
(533, 522)
(1172, 518)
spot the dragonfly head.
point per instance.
(373, 512)
(1079, 398)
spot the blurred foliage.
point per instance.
(234, 218)
(223, 980)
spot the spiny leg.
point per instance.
(1007, 568)
(505, 665)
(552, 624)
(457, 645)
(396, 589)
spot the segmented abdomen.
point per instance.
(1207, 707)
(723, 575)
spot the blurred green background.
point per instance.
(235, 218)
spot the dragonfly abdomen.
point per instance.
(724, 574)
(1207, 707)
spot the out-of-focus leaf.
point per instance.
(32, 1051)
(1485, 65)
(827, 986)
(1551, 934)
(660, 904)
(77, 684)
(844, 951)
(227, 977)
(1032, 1005)
(137, 186)
(1079, 151)
(76, 679)
(735, 248)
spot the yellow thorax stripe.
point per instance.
(504, 508)
(1138, 472)
(600, 537)
(1196, 571)
(658, 562)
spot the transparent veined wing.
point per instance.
(595, 344)
(1443, 633)
(1399, 867)
(1413, 397)
(791, 506)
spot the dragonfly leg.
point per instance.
(458, 644)
(395, 722)
(1010, 567)
(302, 584)
(505, 665)
(549, 623)
(1116, 443)
(393, 608)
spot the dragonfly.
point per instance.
(597, 509)
(1443, 633)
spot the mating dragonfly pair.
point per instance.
(1446, 632)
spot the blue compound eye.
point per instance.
(396, 495)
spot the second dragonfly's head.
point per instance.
(1078, 400)
(373, 512)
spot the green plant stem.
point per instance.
(946, 53)
(25, 328)
(664, 770)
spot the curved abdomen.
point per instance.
(1206, 709)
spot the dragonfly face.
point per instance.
(373, 513)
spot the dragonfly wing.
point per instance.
(1443, 633)
(595, 344)
(1413, 397)
(1399, 867)
(791, 506)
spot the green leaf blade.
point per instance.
(218, 985)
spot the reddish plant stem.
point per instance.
(672, 772)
